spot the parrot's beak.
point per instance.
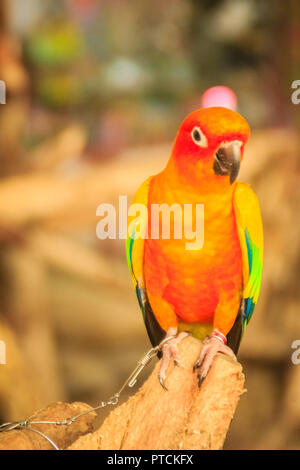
(228, 159)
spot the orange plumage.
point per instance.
(201, 286)
(203, 289)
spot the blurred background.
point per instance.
(96, 90)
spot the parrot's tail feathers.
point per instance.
(154, 330)
(235, 334)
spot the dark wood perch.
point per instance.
(183, 417)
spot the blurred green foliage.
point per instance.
(87, 57)
(59, 44)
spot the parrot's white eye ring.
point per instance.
(198, 137)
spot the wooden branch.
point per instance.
(183, 417)
(63, 436)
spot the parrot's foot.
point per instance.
(211, 346)
(170, 350)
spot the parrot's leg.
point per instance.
(211, 346)
(170, 350)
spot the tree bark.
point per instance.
(63, 436)
(184, 417)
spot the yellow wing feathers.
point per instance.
(136, 228)
(250, 231)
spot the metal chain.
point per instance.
(113, 401)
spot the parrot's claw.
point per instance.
(169, 350)
(161, 381)
(177, 363)
(200, 379)
(211, 346)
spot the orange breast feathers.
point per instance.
(194, 286)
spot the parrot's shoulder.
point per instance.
(244, 195)
(248, 214)
(141, 195)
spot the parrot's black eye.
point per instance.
(198, 137)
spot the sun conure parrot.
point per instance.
(209, 292)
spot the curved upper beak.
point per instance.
(228, 160)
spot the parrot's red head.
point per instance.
(210, 142)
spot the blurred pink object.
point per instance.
(219, 96)
(83, 10)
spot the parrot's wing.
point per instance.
(250, 231)
(136, 230)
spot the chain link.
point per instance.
(112, 401)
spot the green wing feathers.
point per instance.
(250, 231)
